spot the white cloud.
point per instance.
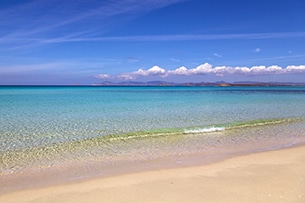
(257, 50)
(295, 69)
(174, 60)
(103, 76)
(217, 55)
(155, 70)
(132, 60)
(202, 69)
(208, 69)
(126, 77)
(179, 71)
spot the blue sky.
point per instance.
(88, 41)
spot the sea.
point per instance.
(52, 134)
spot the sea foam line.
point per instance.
(206, 130)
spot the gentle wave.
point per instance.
(256, 123)
(205, 130)
(14, 160)
(238, 125)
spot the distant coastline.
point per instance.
(165, 83)
(220, 83)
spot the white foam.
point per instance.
(205, 130)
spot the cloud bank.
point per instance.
(208, 69)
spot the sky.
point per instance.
(55, 42)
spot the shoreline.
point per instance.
(273, 176)
(74, 172)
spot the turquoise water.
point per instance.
(47, 126)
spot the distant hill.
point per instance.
(132, 83)
(218, 83)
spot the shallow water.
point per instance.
(46, 128)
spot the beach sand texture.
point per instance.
(272, 176)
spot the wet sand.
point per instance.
(272, 176)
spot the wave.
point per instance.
(239, 125)
(114, 144)
(197, 129)
(256, 123)
(205, 130)
(165, 132)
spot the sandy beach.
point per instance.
(272, 176)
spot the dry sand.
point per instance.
(273, 176)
